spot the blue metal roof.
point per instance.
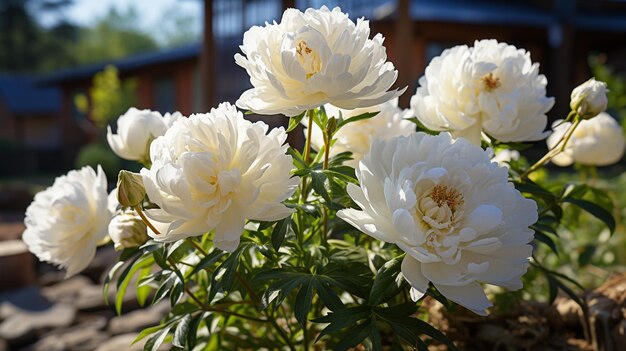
(124, 64)
(22, 95)
(483, 12)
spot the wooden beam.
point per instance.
(403, 46)
(207, 59)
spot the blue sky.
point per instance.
(85, 12)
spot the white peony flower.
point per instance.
(127, 229)
(135, 131)
(313, 58)
(211, 172)
(450, 209)
(65, 222)
(589, 98)
(598, 141)
(503, 156)
(356, 137)
(491, 87)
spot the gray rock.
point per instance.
(66, 291)
(123, 342)
(77, 339)
(139, 319)
(20, 325)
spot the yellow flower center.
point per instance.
(309, 59)
(439, 209)
(490, 82)
(443, 195)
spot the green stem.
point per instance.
(145, 219)
(558, 148)
(197, 246)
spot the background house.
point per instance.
(560, 34)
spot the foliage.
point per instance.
(98, 154)
(109, 97)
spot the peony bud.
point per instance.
(589, 98)
(130, 190)
(127, 230)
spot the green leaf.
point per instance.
(342, 318)
(193, 331)
(108, 278)
(184, 308)
(553, 288)
(298, 159)
(295, 121)
(387, 283)
(354, 336)
(180, 333)
(157, 339)
(207, 261)
(362, 116)
(148, 331)
(280, 231)
(319, 185)
(543, 238)
(595, 210)
(303, 302)
(125, 278)
(531, 187)
(143, 291)
(586, 255)
(328, 296)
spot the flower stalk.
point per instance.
(558, 148)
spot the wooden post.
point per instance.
(207, 58)
(403, 45)
(288, 4)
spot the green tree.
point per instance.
(109, 97)
(114, 36)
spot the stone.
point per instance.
(123, 342)
(76, 339)
(22, 325)
(139, 319)
(66, 291)
(17, 267)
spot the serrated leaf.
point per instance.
(595, 210)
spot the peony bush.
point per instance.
(258, 245)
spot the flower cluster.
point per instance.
(491, 87)
(212, 171)
(313, 58)
(450, 209)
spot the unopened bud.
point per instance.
(331, 126)
(130, 190)
(589, 98)
(127, 230)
